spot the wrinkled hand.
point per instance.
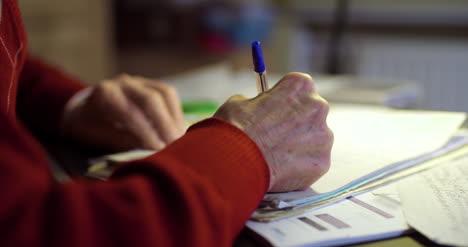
(124, 113)
(288, 123)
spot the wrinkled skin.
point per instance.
(288, 123)
(124, 113)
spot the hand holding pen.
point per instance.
(288, 124)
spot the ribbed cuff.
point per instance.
(222, 155)
(227, 156)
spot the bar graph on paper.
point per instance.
(357, 219)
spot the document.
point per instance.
(370, 143)
(102, 167)
(435, 202)
(357, 219)
(351, 219)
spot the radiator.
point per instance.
(440, 66)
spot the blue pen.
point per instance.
(259, 67)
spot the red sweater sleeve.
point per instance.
(43, 91)
(199, 191)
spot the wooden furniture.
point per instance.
(76, 35)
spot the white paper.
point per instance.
(129, 155)
(436, 202)
(370, 138)
(363, 218)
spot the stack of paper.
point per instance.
(439, 193)
(442, 194)
(348, 215)
(372, 145)
(363, 218)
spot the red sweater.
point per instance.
(198, 191)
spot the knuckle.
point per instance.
(296, 83)
(156, 97)
(330, 136)
(103, 95)
(126, 81)
(300, 81)
(165, 90)
(103, 90)
(123, 77)
(152, 100)
(237, 97)
(321, 104)
(169, 90)
(325, 107)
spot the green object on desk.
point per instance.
(198, 107)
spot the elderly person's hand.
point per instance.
(124, 113)
(288, 123)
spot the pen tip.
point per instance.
(257, 55)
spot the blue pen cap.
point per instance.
(257, 55)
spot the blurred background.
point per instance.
(379, 45)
